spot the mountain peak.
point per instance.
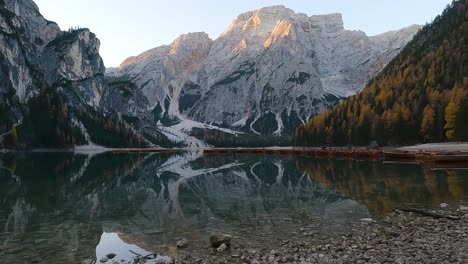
(269, 13)
(272, 10)
(266, 19)
(190, 37)
(275, 9)
(328, 20)
(271, 65)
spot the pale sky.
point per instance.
(130, 27)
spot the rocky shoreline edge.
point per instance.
(400, 237)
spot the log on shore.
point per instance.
(427, 213)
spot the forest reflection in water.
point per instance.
(56, 207)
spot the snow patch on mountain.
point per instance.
(181, 132)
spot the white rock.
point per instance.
(367, 220)
(221, 248)
(182, 243)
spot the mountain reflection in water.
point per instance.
(57, 208)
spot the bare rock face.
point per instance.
(33, 49)
(38, 61)
(163, 72)
(37, 28)
(124, 97)
(270, 70)
(23, 35)
(73, 60)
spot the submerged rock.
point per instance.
(221, 248)
(217, 240)
(182, 243)
(403, 237)
(367, 221)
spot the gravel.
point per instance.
(400, 237)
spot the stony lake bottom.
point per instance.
(65, 208)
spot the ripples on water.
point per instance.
(57, 208)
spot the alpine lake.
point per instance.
(67, 208)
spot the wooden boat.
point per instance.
(361, 154)
(424, 157)
(323, 153)
(343, 153)
(285, 152)
(449, 166)
(370, 154)
(453, 157)
(399, 155)
(311, 152)
(299, 152)
(242, 151)
(252, 151)
(143, 150)
(271, 151)
(216, 151)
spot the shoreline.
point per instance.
(401, 237)
(451, 154)
(454, 155)
(442, 146)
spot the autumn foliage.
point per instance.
(421, 96)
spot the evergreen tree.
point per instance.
(428, 123)
(461, 124)
(450, 120)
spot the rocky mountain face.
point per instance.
(23, 36)
(52, 83)
(73, 59)
(271, 70)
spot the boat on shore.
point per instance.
(143, 150)
(352, 153)
(399, 155)
(453, 157)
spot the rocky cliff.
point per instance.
(73, 59)
(51, 84)
(269, 71)
(23, 35)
